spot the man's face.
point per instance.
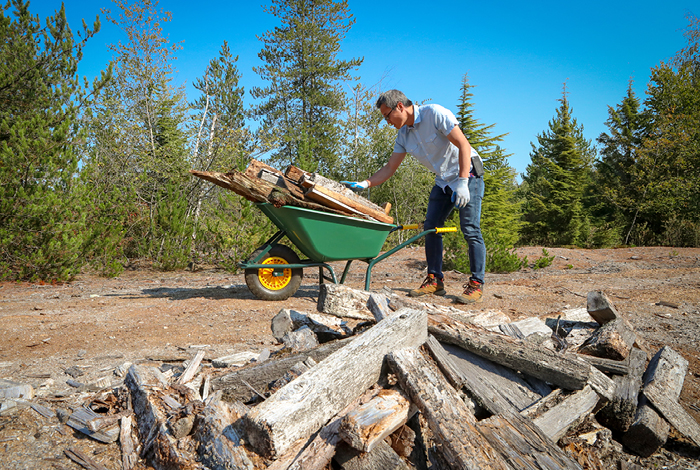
(395, 116)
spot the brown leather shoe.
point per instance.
(431, 285)
(473, 293)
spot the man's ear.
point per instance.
(400, 106)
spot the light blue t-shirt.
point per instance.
(427, 141)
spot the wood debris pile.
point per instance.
(296, 187)
(378, 381)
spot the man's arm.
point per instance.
(456, 136)
(388, 170)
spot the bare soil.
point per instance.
(91, 326)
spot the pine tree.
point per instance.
(300, 107)
(500, 210)
(556, 182)
(42, 221)
(668, 167)
(138, 143)
(615, 184)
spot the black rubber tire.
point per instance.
(255, 284)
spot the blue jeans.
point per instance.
(440, 207)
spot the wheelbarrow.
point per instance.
(274, 271)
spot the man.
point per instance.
(432, 135)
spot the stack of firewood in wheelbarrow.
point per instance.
(380, 381)
(295, 187)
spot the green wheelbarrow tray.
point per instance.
(322, 237)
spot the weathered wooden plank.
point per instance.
(258, 169)
(338, 201)
(80, 418)
(381, 457)
(663, 388)
(259, 376)
(571, 411)
(258, 190)
(301, 407)
(666, 372)
(523, 445)
(343, 301)
(619, 414)
(445, 362)
(368, 424)
(518, 355)
(496, 388)
(83, 459)
(326, 327)
(452, 424)
(129, 456)
(192, 368)
(158, 445)
(378, 304)
(609, 366)
(219, 443)
(602, 384)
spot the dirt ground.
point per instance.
(92, 326)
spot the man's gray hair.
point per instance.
(392, 98)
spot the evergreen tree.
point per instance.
(138, 145)
(500, 209)
(557, 179)
(668, 167)
(300, 107)
(615, 184)
(43, 231)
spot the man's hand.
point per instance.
(460, 192)
(356, 185)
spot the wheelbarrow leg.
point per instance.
(345, 271)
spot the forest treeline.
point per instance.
(95, 175)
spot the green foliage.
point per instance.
(500, 254)
(42, 216)
(543, 261)
(500, 208)
(301, 104)
(556, 182)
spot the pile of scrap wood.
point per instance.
(296, 187)
(380, 381)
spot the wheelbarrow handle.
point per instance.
(419, 226)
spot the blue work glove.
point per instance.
(356, 185)
(460, 192)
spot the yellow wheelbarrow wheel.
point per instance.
(275, 283)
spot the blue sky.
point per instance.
(518, 54)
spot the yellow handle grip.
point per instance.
(445, 229)
(410, 227)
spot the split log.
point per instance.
(301, 407)
(83, 460)
(522, 356)
(571, 411)
(257, 190)
(129, 456)
(296, 370)
(319, 452)
(219, 444)
(144, 384)
(543, 404)
(602, 384)
(613, 340)
(80, 419)
(260, 376)
(330, 192)
(368, 424)
(610, 366)
(452, 424)
(10, 390)
(343, 301)
(649, 431)
(258, 169)
(619, 414)
(381, 457)
(302, 339)
(495, 388)
(378, 304)
(662, 389)
(192, 368)
(600, 308)
(523, 445)
(326, 327)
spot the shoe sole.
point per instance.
(462, 300)
(421, 294)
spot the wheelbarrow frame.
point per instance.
(284, 231)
